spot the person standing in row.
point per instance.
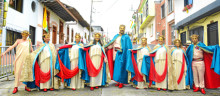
(203, 65)
(180, 62)
(96, 62)
(39, 68)
(23, 49)
(161, 71)
(70, 63)
(116, 51)
(135, 65)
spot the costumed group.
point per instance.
(95, 65)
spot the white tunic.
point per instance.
(44, 58)
(117, 44)
(76, 81)
(160, 59)
(95, 55)
(177, 58)
(140, 54)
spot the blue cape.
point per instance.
(130, 66)
(120, 74)
(210, 49)
(188, 73)
(32, 84)
(104, 76)
(64, 57)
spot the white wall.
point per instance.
(18, 21)
(149, 34)
(53, 18)
(78, 29)
(197, 5)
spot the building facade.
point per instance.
(28, 15)
(157, 17)
(198, 17)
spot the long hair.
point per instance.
(94, 42)
(43, 37)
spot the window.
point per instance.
(163, 33)
(199, 31)
(170, 5)
(183, 38)
(68, 33)
(72, 36)
(152, 30)
(11, 37)
(32, 36)
(213, 33)
(162, 11)
(141, 19)
(172, 33)
(187, 2)
(85, 35)
(33, 6)
(16, 4)
(146, 5)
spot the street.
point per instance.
(6, 88)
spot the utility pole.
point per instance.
(137, 23)
(90, 28)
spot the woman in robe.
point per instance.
(135, 75)
(70, 63)
(179, 60)
(97, 69)
(23, 48)
(39, 67)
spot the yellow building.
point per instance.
(204, 22)
(147, 20)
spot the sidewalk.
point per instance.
(6, 88)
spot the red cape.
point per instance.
(212, 79)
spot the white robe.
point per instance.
(140, 54)
(44, 58)
(177, 58)
(76, 81)
(95, 55)
(160, 59)
(22, 51)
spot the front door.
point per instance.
(54, 35)
(61, 35)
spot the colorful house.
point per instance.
(200, 17)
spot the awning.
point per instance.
(57, 7)
(206, 11)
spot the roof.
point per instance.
(57, 7)
(206, 11)
(73, 11)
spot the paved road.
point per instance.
(6, 88)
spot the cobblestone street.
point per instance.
(6, 88)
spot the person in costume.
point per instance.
(160, 62)
(23, 48)
(70, 63)
(134, 65)
(39, 67)
(204, 63)
(116, 51)
(179, 61)
(96, 62)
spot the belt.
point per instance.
(198, 59)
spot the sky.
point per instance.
(106, 13)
